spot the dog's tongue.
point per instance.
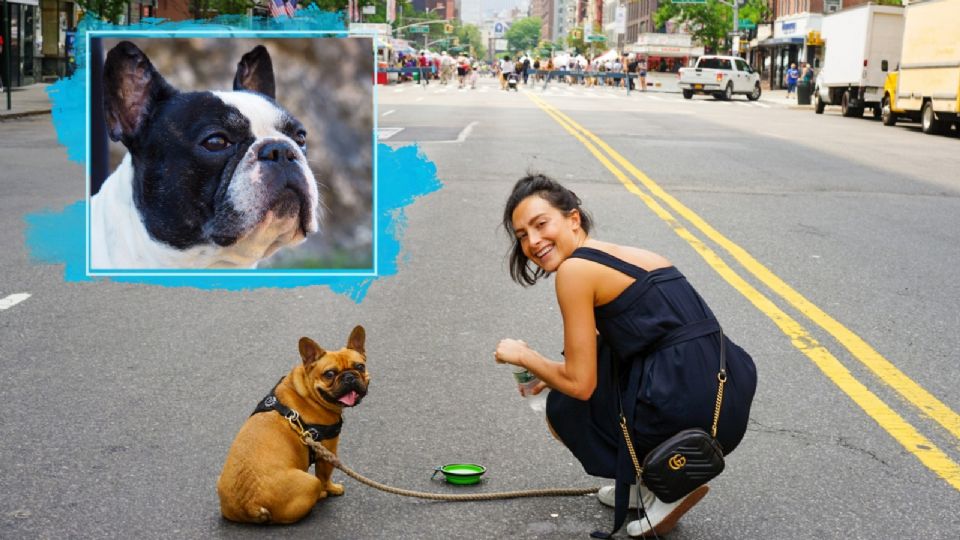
(349, 399)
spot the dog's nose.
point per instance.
(349, 377)
(277, 152)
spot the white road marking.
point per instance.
(388, 113)
(464, 133)
(12, 300)
(758, 104)
(419, 98)
(385, 133)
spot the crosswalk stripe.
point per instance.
(12, 300)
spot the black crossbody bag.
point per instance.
(685, 461)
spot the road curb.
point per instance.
(16, 115)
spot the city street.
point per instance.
(828, 247)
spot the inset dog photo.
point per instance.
(231, 153)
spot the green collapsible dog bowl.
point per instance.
(462, 474)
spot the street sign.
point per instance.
(689, 1)
(747, 24)
(419, 29)
(596, 38)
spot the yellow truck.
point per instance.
(926, 88)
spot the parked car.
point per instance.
(720, 76)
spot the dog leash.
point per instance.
(328, 456)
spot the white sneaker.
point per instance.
(664, 516)
(608, 495)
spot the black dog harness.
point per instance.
(317, 432)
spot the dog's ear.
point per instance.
(357, 338)
(310, 352)
(132, 88)
(255, 73)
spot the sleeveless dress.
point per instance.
(661, 333)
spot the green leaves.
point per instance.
(709, 23)
(524, 35)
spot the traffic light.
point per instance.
(448, 29)
(576, 33)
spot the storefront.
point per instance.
(789, 46)
(664, 55)
(20, 26)
(58, 20)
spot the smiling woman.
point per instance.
(630, 321)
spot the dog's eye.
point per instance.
(215, 143)
(329, 374)
(301, 139)
(360, 367)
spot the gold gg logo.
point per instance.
(677, 462)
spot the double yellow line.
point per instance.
(904, 433)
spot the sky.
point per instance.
(472, 11)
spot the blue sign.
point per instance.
(498, 29)
(789, 27)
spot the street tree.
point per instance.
(524, 35)
(709, 23)
(107, 10)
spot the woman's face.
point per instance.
(547, 236)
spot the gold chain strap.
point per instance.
(722, 377)
(633, 453)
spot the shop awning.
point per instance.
(669, 51)
(781, 41)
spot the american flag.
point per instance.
(290, 6)
(276, 8)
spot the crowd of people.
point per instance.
(444, 68)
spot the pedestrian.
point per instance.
(622, 307)
(632, 64)
(507, 66)
(526, 69)
(642, 75)
(3, 62)
(806, 74)
(792, 75)
(423, 63)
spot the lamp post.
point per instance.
(735, 35)
(6, 53)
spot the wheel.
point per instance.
(877, 112)
(688, 94)
(928, 120)
(718, 95)
(755, 95)
(818, 104)
(728, 92)
(845, 108)
(886, 113)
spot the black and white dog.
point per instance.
(210, 180)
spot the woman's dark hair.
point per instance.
(559, 197)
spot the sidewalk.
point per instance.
(780, 98)
(25, 101)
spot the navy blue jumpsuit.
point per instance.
(660, 330)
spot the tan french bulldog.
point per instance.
(265, 478)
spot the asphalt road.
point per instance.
(121, 400)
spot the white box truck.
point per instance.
(861, 45)
(927, 87)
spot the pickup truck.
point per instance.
(722, 76)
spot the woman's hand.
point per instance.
(511, 351)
